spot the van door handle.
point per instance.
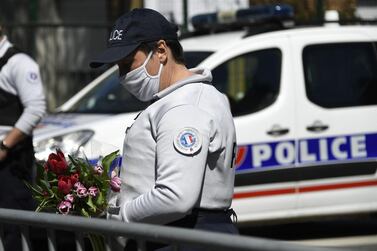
(276, 131)
(317, 126)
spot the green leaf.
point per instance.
(34, 189)
(107, 160)
(54, 189)
(40, 170)
(84, 212)
(98, 181)
(93, 208)
(100, 200)
(83, 167)
(46, 186)
(73, 160)
(45, 183)
(49, 176)
(43, 204)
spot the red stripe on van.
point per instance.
(263, 193)
(338, 186)
(306, 189)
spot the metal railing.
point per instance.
(137, 231)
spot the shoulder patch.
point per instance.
(32, 77)
(188, 141)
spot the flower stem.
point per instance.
(97, 242)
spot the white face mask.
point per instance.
(140, 83)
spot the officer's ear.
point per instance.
(162, 51)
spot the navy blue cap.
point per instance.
(132, 29)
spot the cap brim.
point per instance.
(112, 55)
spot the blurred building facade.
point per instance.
(366, 9)
(62, 36)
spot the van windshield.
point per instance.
(110, 97)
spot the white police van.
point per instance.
(304, 102)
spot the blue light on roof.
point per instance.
(265, 11)
(255, 13)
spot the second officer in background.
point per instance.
(22, 105)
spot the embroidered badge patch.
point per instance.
(32, 77)
(188, 141)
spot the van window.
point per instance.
(109, 96)
(341, 75)
(251, 81)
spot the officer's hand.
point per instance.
(3, 154)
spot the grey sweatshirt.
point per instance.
(178, 154)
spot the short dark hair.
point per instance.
(1, 26)
(177, 50)
(174, 45)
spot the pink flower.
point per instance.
(93, 191)
(98, 169)
(64, 207)
(115, 183)
(82, 192)
(69, 197)
(77, 185)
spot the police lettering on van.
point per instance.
(277, 154)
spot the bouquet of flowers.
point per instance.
(74, 186)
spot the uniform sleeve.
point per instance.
(179, 176)
(28, 83)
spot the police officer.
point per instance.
(178, 155)
(22, 105)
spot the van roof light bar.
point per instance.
(258, 14)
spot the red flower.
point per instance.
(64, 184)
(74, 178)
(57, 163)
